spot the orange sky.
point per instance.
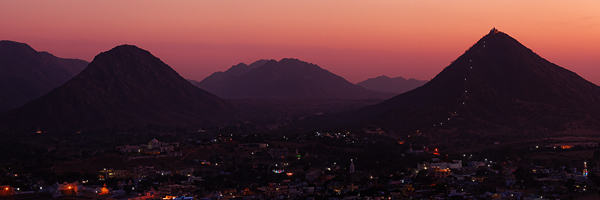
(354, 39)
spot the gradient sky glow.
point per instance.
(354, 39)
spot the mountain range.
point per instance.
(396, 85)
(288, 78)
(218, 81)
(497, 88)
(125, 87)
(28, 74)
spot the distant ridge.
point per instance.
(216, 82)
(125, 87)
(287, 78)
(396, 85)
(27, 74)
(193, 82)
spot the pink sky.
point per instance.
(354, 39)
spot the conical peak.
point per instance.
(497, 37)
(496, 85)
(127, 54)
(124, 87)
(127, 62)
(495, 33)
(499, 45)
(126, 48)
(501, 63)
(496, 60)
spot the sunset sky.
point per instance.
(354, 39)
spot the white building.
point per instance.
(455, 164)
(153, 147)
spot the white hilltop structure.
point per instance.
(152, 148)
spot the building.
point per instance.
(112, 173)
(129, 149)
(164, 173)
(169, 189)
(477, 164)
(98, 190)
(6, 190)
(153, 147)
(279, 153)
(255, 145)
(187, 172)
(494, 31)
(273, 190)
(313, 175)
(144, 171)
(455, 164)
(440, 173)
(69, 188)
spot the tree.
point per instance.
(522, 173)
(441, 188)
(597, 155)
(570, 184)
(497, 167)
(594, 177)
(128, 189)
(481, 172)
(457, 197)
(306, 168)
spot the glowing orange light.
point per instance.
(69, 187)
(289, 174)
(104, 190)
(6, 188)
(566, 146)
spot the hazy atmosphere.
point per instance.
(354, 39)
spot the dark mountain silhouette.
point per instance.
(288, 78)
(193, 82)
(122, 88)
(396, 85)
(28, 74)
(217, 81)
(498, 86)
